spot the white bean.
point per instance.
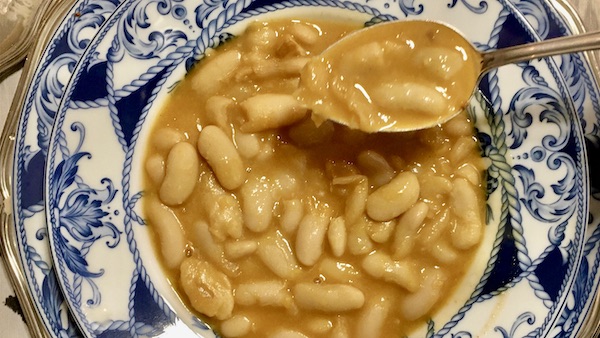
(205, 242)
(375, 167)
(181, 174)
(462, 148)
(220, 153)
(440, 62)
(404, 245)
(459, 126)
(293, 212)
(407, 229)
(264, 68)
(268, 111)
(310, 238)
(260, 38)
(356, 202)
(155, 168)
(212, 75)
(410, 96)
(208, 183)
(340, 329)
(304, 33)
(468, 230)
(263, 293)
(286, 184)
(236, 326)
(469, 172)
(372, 318)
(170, 232)
(319, 325)
(328, 297)
(337, 271)
(216, 112)
(293, 66)
(443, 252)
(417, 304)
(403, 273)
(248, 145)
(165, 138)
(359, 242)
(397, 162)
(414, 217)
(257, 204)
(238, 249)
(394, 198)
(363, 58)
(381, 232)
(435, 227)
(435, 189)
(337, 236)
(276, 253)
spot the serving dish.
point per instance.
(538, 187)
(569, 76)
(62, 39)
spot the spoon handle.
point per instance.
(535, 50)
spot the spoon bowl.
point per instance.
(409, 75)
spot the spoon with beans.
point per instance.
(409, 75)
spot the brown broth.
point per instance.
(303, 169)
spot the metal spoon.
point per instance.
(409, 75)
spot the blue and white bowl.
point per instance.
(535, 273)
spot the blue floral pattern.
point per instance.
(81, 220)
(43, 98)
(88, 214)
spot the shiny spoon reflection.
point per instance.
(409, 75)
